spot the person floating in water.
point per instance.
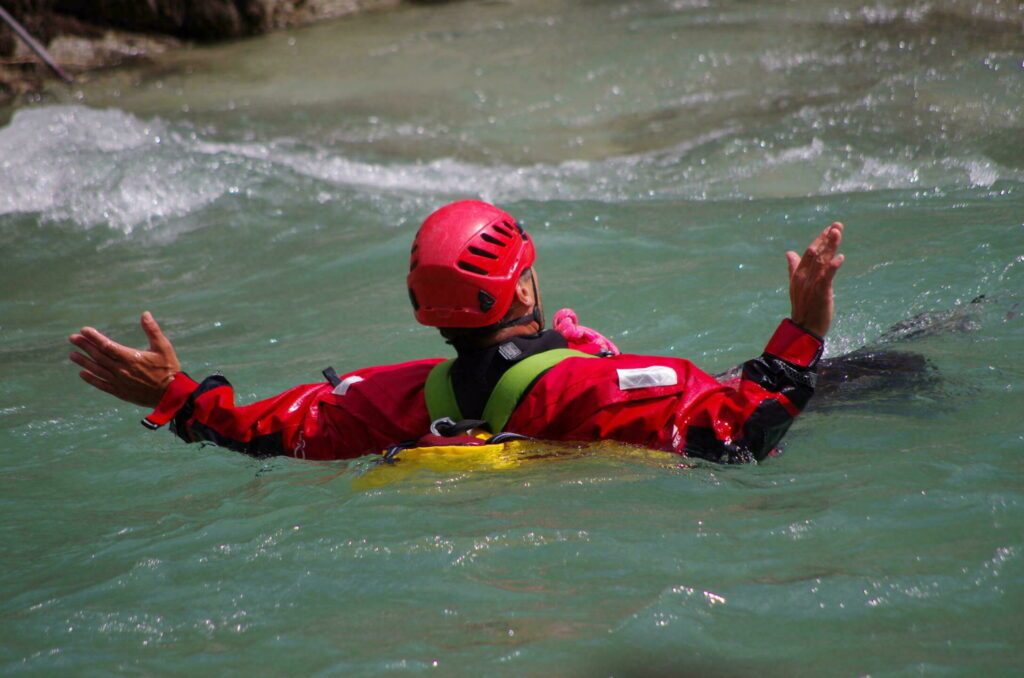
(472, 275)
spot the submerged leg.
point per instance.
(872, 373)
(881, 371)
(877, 371)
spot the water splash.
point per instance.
(100, 167)
(91, 167)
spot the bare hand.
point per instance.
(810, 280)
(138, 376)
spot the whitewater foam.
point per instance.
(93, 167)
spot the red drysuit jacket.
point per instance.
(657, 402)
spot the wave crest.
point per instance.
(91, 167)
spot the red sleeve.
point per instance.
(182, 386)
(746, 418)
(206, 412)
(365, 412)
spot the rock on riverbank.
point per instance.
(84, 35)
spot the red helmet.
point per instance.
(466, 260)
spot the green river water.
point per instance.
(259, 197)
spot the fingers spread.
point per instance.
(93, 380)
(105, 344)
(835, 237)
(822, 250)
(792, 261)
(86, 345)
(833, 267)
(818, 244)
(91, 366)
(830, 260)
(157, 340)
(830, 237)
(95, 352)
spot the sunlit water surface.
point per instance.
(259, 198)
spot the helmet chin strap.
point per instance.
(536, 315)
(533, 316)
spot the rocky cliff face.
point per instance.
(208, 19)
(195, 19)
(185, 19)
(84, 35)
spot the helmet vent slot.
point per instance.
(503, 231)
(482, 253)
(466, 266)
(487, 237)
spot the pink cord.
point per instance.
(579, 337)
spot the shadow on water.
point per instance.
(634, 663)
(882, 375)
(870, 377)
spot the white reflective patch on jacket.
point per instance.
(647, 377)
(342, 388)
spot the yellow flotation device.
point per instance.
(397, 464)
(503, 456)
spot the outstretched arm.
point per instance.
(197, 411)
(362, 412)
(810, 280)
(747, 419)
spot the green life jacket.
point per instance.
(506, 395)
